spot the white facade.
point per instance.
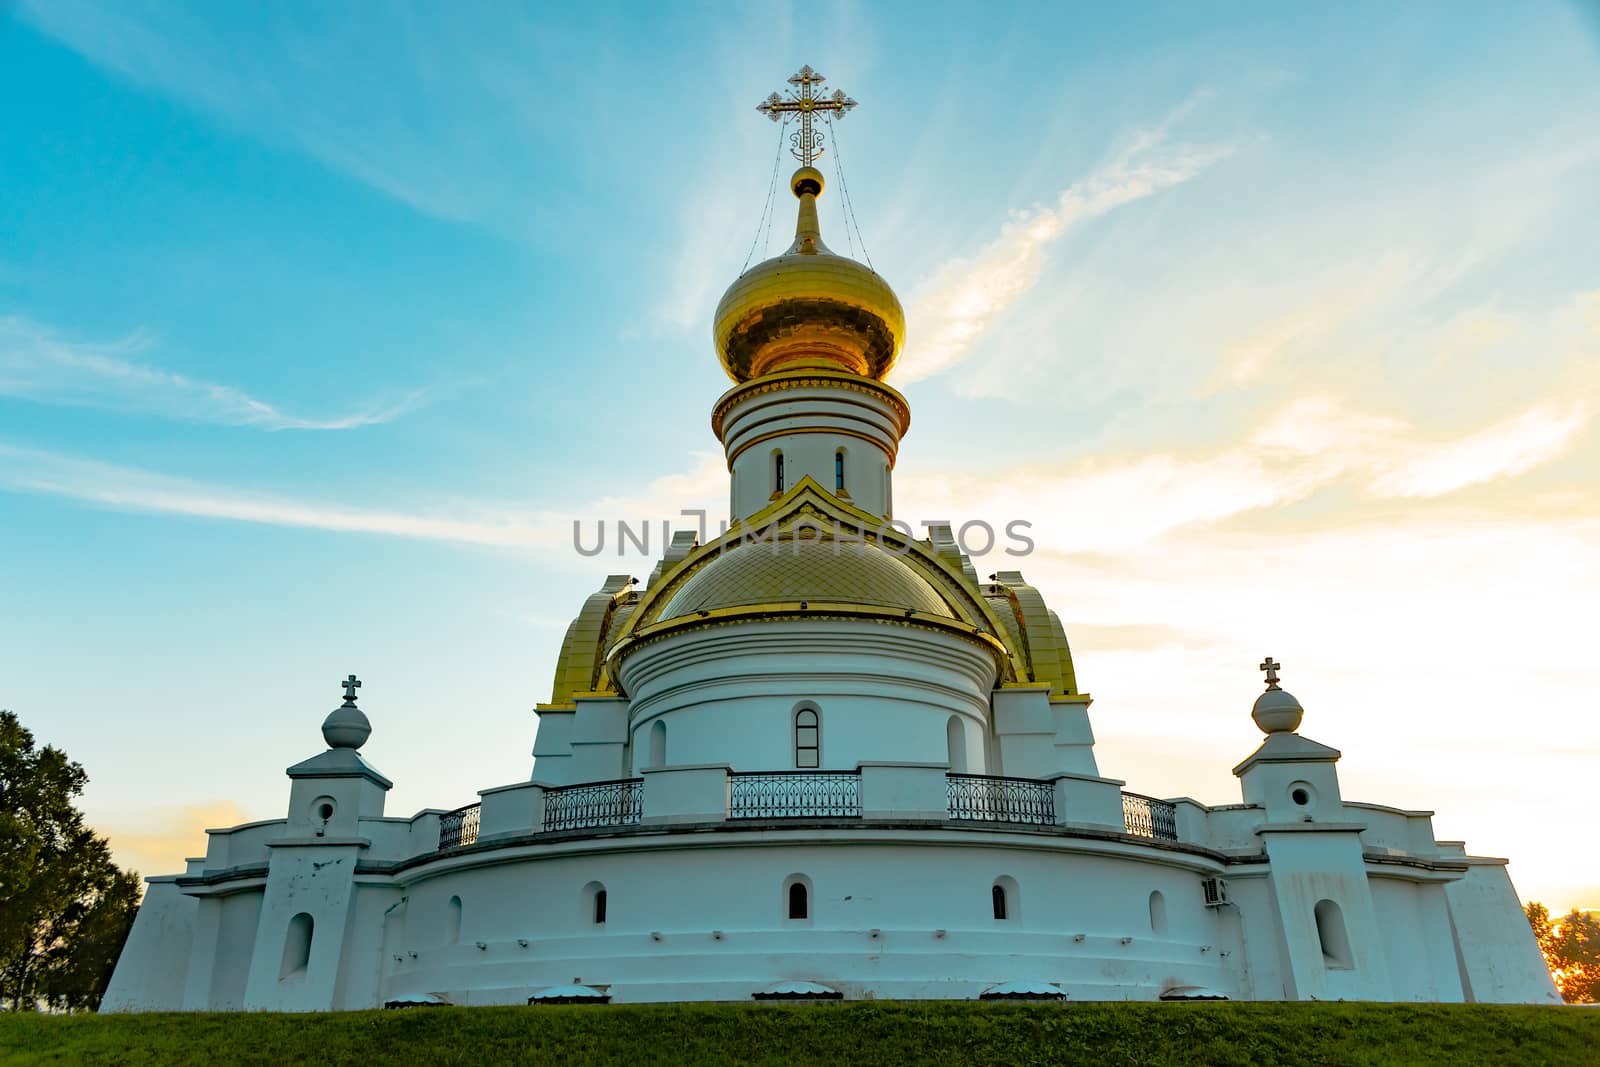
(814, 749)
(337, 906)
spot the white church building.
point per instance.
(819, 757)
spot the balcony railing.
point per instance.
(459, 827)
(592, 804)
(989, 798)
(795, 795)
(1148, 817)
(815, 795)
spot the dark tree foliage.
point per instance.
(1571, 948)
(65, 908)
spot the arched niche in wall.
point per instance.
(297, 946)
(1333, 937)
(955, 740)
(452, 921)
(1158, 912)
(658, 744)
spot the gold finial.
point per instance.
(808, 309)
(806, 142)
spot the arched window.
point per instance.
(777, 472)
(1335, 940)
(1158, 912)
(799, 901)
(807, 738)
(1005, 898)
(838, 471)
(955, 740)
(658, 744)
(594, 903)
(452, 921)
(296, 946)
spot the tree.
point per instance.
(65, 908)
(1571, 950)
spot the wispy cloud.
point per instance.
(1110, 504)
(37, 364)
(1339, 298)
(950, 313)
(132, 489)
(1504, 450)
(495, 525)
(1097, 505)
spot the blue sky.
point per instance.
(320, 324)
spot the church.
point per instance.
(817, 757)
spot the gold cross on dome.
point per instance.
(351, 684)
(1271, 667)
(807, 141)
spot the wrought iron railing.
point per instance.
(577, 807)
(990, 798)
(794, 795)
(1148, 817)
(459, 827)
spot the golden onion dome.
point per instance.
(818, 571)
(809, 309)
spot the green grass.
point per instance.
(857, 1034)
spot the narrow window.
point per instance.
(998, 893)
(777, 472)
(807, 739)
(296, 946)
(452, 921)
(799, 902)
(593, 903)
(1335, 940)
(838, 471)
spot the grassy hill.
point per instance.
(858, 1034)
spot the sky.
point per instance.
(320, 325)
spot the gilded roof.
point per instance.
(808, 309)
(821, 570)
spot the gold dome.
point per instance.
(820, 571)
(809, 308)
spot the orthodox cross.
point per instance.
(1271, 667)
(351, 684)
(807, 141)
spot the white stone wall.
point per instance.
(154, 964)
(728, 695)
(809, 425)
(887, 920)
(894, 912)
(1500, 961)
(1417, 942)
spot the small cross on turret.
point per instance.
(1271, 667)
(351, 684)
